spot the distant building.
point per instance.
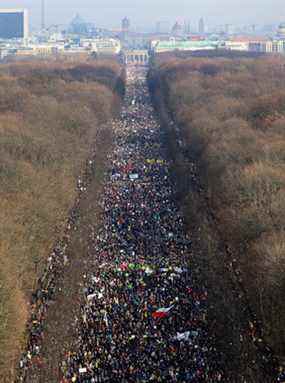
(14, 24)
(177, 29)
(3, 53)
(201, 26)
(106, 46)
(281, 31)
(189, 45)
(78, 26)
(187, 27)
(39, 50)
(246, 43)
(126, 24)
(238, 43)
(276, 46)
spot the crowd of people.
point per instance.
(144, 319)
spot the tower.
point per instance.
(43, 22)
(126, 25)
(201, 27)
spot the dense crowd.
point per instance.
(144, 318)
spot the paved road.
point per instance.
(144, 318)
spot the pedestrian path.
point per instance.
(144, 319)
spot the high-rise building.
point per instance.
(201, 26)
(14, 23)
(187, 27)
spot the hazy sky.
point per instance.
(108, 13)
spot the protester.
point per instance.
(144, 319)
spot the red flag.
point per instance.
(162, 313)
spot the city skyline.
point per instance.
(108, 13)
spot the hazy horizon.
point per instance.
(108, 13)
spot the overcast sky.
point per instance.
(108, 13)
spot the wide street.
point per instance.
(144, 318)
